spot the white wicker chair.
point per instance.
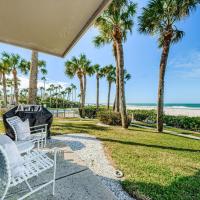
(34, 163)
(38, 135)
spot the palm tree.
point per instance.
(41, 92)
(79, 67)
(51, 91)
(5, 67)
(68, 91)
(110, 73)
(63, 93)
(114, 24)
(87, 70)
(160, 18)
(44, 82)
(33, 78)
(35, 65)
(14, 62)
(99, 74)
(74, 88)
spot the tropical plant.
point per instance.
(68, 91)
(44, 82)
(113, 25)
(5, 67)
(18, 64)
(99, 72)
(35, 66)
(110, 73)
(160, 18)
(79, 66)
(74, 88)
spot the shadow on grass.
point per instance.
(78, 128)
(184, 188)
(148, 145)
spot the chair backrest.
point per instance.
(5, 173)
(13, 121)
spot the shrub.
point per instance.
(2, 111)
(111, 118)
(184, 122)
(91, 111)
(143, 115)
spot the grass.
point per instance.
(156, 166)
(168, 128)
(1, 127)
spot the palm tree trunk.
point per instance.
(163, 64)
(117, 78)
(109, 90)
(15, 86)
(4, 89)
(122, 99)
(114, 104)
(97, 79)
(33, 78)
(82, 96)
(85, 85)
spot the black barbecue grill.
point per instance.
(36, 114)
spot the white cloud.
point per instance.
(24, 82)
(188, 66)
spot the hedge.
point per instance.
(111, 118)
(184, 122)
(91, 111)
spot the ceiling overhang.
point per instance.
(49, 26)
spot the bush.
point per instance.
(2, 111)
(111, 118)
(148, 116)
(184, 122)
(91, 111)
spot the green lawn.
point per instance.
(1, 127)
(168, 128)
(156, 166)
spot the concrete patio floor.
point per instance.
(74, 180)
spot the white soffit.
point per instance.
(50, 26)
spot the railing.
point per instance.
(65, 113)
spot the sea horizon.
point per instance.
(167, 105)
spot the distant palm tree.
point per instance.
(5, 68)
(68, 92)
(110, 73)
(74, 88)
(160, 18)
(41, 92)
(44, 82)
(63, 93)
(24, 92)
(78, 66)
(51, 91)
(114, 24)
(99, 74)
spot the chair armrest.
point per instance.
(45, 125)
(41, 130)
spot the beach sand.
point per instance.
(170, 111)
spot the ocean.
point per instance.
(168, 105)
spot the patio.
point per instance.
(74, 180)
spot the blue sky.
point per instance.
(142, 58)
